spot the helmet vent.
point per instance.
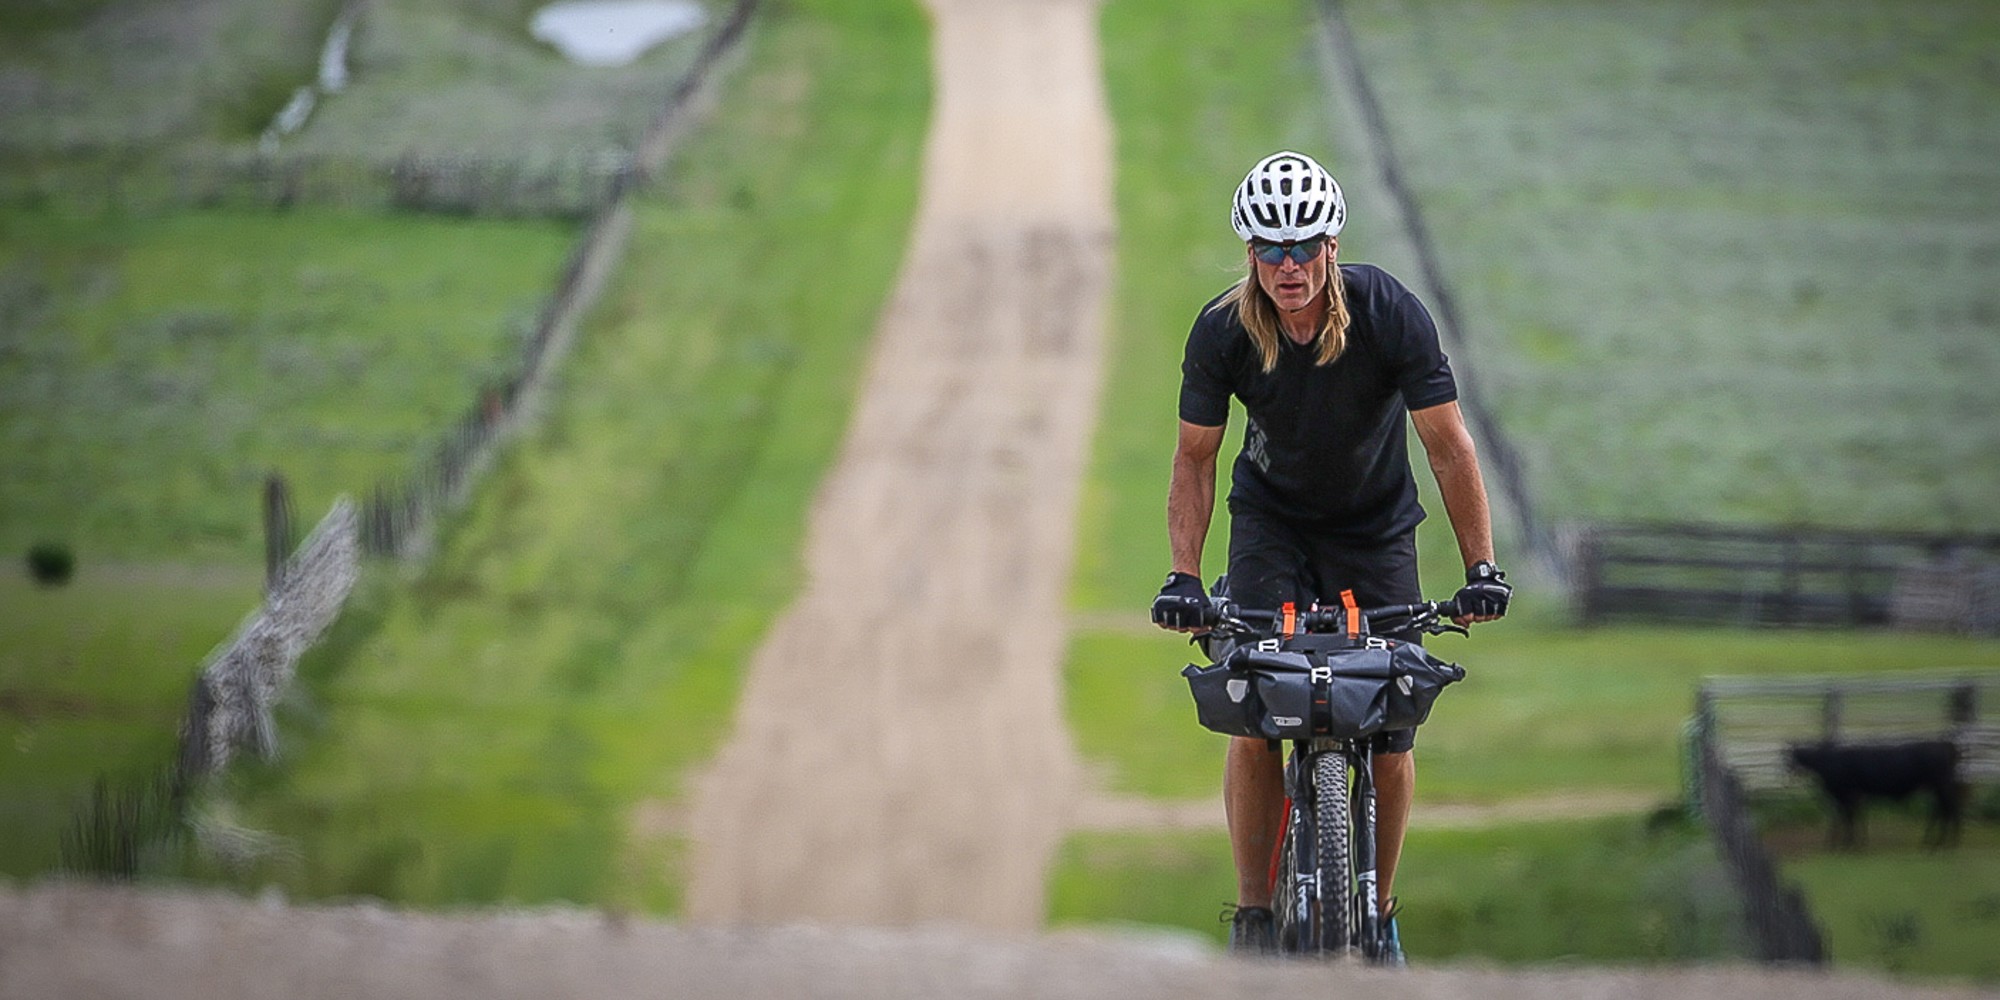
(1285, 198)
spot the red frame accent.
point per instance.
(1278, 847)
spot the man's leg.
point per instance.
(1266, 566)
(1395, 785)
(1253, 796)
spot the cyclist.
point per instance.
(1326, 359)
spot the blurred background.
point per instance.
(1718, 280)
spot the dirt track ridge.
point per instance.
(899, 753)
(109, 943)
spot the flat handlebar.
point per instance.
(1224, 616)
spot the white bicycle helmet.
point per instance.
(1287, 197)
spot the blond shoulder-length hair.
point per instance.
(1259, 315)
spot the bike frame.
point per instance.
(1365, 922)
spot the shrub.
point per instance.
(51, 564)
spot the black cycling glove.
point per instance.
(1181, 602)
(1485, 592)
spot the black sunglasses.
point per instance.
(1301, 252)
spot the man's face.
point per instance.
(1290, 283)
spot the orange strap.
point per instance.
(1291, 620)
(1353, 614)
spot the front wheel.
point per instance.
(1333, 857)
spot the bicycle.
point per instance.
(1324, 681)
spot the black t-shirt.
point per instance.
(1325, 445)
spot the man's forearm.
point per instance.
(1190, 504)
(1464, 492)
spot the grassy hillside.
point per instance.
(467, 77)
(502, 726)
(154, 370)
(456, 76)
(1717, 261)
(89, 75)
(1899, 905)
(93, 680)
(152, 373)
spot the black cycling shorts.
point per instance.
(1272, 561)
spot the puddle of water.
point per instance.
(613, 32)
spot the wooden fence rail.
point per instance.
(1790, 577)
(1754, 720)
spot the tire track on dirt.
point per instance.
(900, 754)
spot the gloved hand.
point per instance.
(1180, 603)
(1485, 593)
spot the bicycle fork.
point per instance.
(1368, 928)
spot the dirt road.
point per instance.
(111, 944)
(899, 755)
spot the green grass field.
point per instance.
(1894, 903)
(1540, 709)
(93, 679)
(489, 730)
(88, 76)
(1606, 890)
(154, 370)
(455, 77)
(466, 77)
(1717, 262)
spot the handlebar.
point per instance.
(1224, 617)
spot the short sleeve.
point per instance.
(1422, 372)
(1205, 383)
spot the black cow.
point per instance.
(1852, 773)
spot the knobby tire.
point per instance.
(1333, 856)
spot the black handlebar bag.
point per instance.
(1319, 687)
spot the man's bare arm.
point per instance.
(1191, 495)
(1455, 463)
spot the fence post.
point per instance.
(277, 530)
(1829, 715)
(1589, 574)
(1962, 705)
(1788, 585)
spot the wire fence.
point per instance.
(1753, 720)
(232, 705)
(1742, 729)
(397, 514)
(1781, 926)
(570, 186)
(1498, 452)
